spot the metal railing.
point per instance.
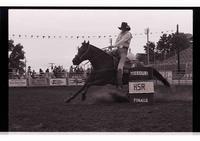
(174, 77)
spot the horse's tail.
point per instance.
(160, 77)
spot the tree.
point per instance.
(163, 46)
(179, 40)
(152, 52)
(168, 44)
(16, 57)
(10, 45)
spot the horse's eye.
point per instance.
(80, 50)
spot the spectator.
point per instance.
(29, 71)
(71, 69)
(81, 70)
(41, 73)
(78, 70)
(88, 71)
(47, 73)
(33, 74)
(59, 72)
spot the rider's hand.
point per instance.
(110, 47)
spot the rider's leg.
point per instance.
(123, 54)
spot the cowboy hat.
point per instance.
(125, 26)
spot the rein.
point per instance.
(85, 52)
(96, 56)
(101, 70)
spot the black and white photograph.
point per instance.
(100, 70)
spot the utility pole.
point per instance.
(110, 44)
(25, 67)
(110, 41)
(147, 33)
(177, 47)
(154, 56)
(51, 65)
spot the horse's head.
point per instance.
(83, 53)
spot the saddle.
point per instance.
(116, 58)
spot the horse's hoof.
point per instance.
(83, 98)
(67, 100)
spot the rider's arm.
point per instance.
(124, 38)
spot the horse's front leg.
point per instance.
(74, 95)
(96, 82)
(84, 94)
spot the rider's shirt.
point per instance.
(123, 40)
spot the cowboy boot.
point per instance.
(119, 79)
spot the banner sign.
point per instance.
(143, 73)
(17, 83)
(76, 82)
(80, 82)
(58, 82)
(186, 77)
(72, 82)
(141, 98)
(38, 82)
(141, 87)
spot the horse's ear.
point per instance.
(88, 42)
(84, 42)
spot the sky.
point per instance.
(40, 51)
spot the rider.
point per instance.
(122, 43)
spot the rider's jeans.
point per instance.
(123, 54)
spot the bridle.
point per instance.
(93, 57)
(85, 52)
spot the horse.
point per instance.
(104, 69)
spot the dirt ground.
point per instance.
(43, 109)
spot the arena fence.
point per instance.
(78, 79)
(47, 79)
(169, 71)
(176, 78)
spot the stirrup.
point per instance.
(120, 87)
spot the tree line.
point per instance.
(16, 57)
(167, 46)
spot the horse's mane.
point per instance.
(103, 52)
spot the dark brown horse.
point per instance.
(104, 69)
